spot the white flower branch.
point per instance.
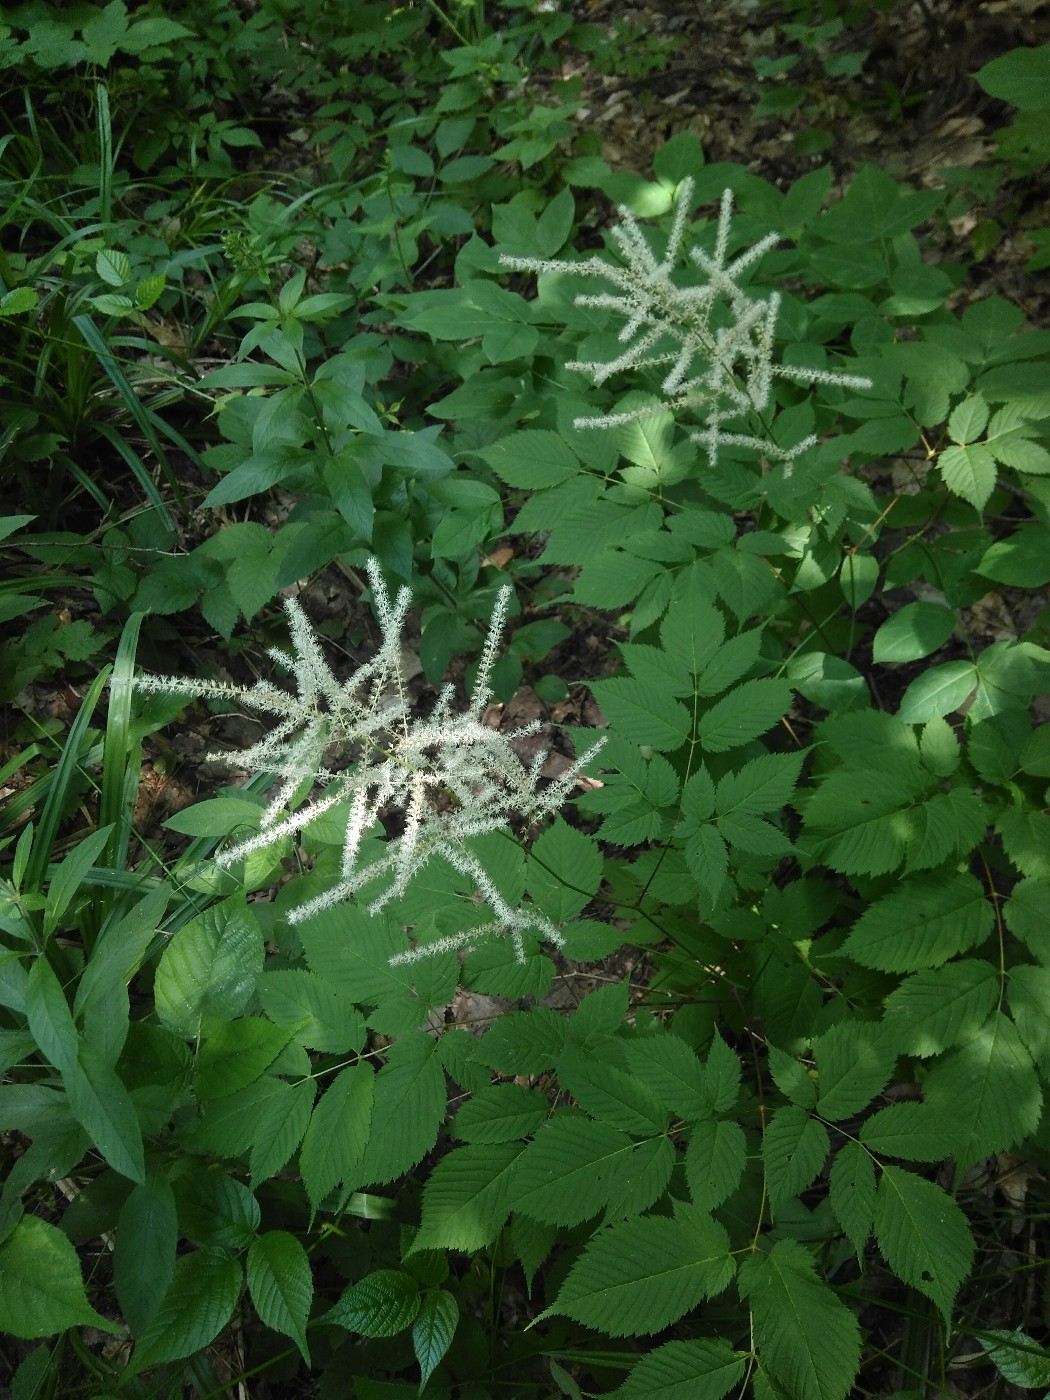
(723, 370)
(451, 776)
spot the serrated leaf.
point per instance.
(208, 970)
(911, 1131)
(433, 1330)
(197, 1306)
(332, 1022)
(923, 1235)
(236, 1053)
(851, 1192)
(750, 710)
(500, 1113)
(987, 1091)
(714, 1161)
(409, 1108)
(639, 1276)
(565, 873)
(933, 1010)
(280, 1127)
(968, 419)
(804, 1335)
(532, 460)
(610, 1094)
(794, 1148)
(854, 1061)
(721, 1076)
(669, 1067)
(764, 784)
(524, 1042)
(922, 923)
(41, 1286)
(381, 1304)
(694, 1370)
(337, 1133)
(939, 691)
(1017, 1357)
(113, 266)
(569, 1172)
(216, 1210)
(643, 712)
(467, 1197)
(281, 1285)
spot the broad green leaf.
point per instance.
(408, 1110)
(721, 1076)
(101, 1105)
(946, 825)
(209, 969)
(933, 1010)
(667, 1066)
(144, 1251)
(41, 1287)
(215, 1210)
(468, 1196)
(644, 1178)
(794, 1148)
(854, 1061)
(281, 1285)
(500, 1113)
(750, 710)
(532, 459)
(644, 713)
(236, 1053)
(219, 816)
(1022, 560)
(338, 1131)
(113, 266)
(939, 691)
(638, 1277)
(1029, 993)
(565, 873)
(987, 1091)
(692, 630)
(925, 921)
(198, 1304)
(911, 1131)
(600, 1014)
(804, 1335)
(968, 419)
(433, 1330)
(1019, 76)
(524, 1042)
(923, 1235)
(913, 632)
(610, 1094)
(1017, 1357)
(570, 1171)
(333, 1023)
(381, 1304)
(851, 1192)
(714, 1161)
(694, 1370)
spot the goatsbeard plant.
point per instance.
(450, 775)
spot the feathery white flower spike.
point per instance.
(451, 776)
(724, 371)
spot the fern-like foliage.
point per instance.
(714, 342)
(449, 774)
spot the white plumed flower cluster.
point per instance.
(726, 370)
(450, 775)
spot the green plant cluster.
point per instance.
(766, 1118)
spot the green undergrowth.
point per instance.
(746, 483)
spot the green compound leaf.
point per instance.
(609, 1093)
(932, 1011)
(794, 1148)
(409, 1108)
(697, 1370)
(500, 1113)
(714, 1161)
(669, 1067)
(925, 921)
(854, 1061)
(806, 1338)
(236, 1053)
(197, 1306)
(281, 1285)
(338, 1131)
(641, 1275)
(749, 711)
(379, 1305)
(923, 1235)
(41, 1287)
(209, 969)
(433, 1330)
(467, 1197)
